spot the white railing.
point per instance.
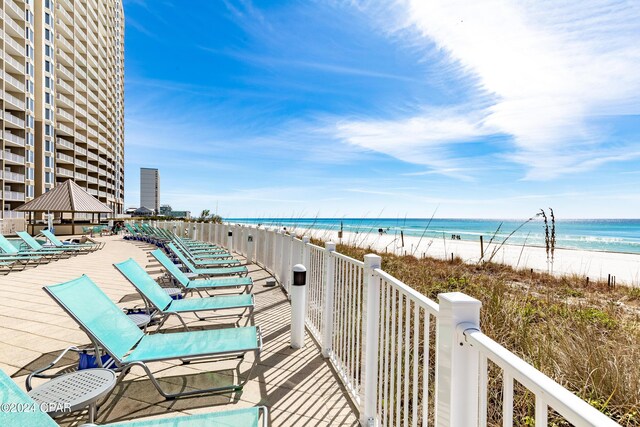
(13, 195)
(13, 100)
(14, 63)
(7, 155)
(404, 359)
(15, 139)
(8, 117)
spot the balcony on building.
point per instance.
(12, 121)
(12, 140)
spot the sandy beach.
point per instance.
(596, 265)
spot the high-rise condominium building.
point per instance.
(62, 94)
(150, 188)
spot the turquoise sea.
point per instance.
(611, 235)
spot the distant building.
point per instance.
(166, 210)
(180, 214)
(150, 188)
(144, 211)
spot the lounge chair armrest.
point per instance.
(265, 415)
(38, 372)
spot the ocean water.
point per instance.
(610, 235)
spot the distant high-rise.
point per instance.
(150, 188)
(62, 103)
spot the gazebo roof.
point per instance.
(65, 197)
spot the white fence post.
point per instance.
(370, 332)
(457, 370)
(195, 232)
(249, 249)
(327, 309)
(298, 303)
(230, 240)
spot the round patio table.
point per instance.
(140, 319)
(172, 292)
(75, 391)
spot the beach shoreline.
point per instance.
(624, 268)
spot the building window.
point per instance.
(48, 130)
(48, 177)
(47, 67)
(48, 146)
(48, 162)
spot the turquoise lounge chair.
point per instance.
(58, 244)
(197, 285)
(166, 307)
(221, 271)
(203, 252)
(200, 261)
(11, 394)
(110, 329)
(39, 249)
(12, 258)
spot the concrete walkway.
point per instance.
(299, 387)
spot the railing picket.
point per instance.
(416, 348)
(328, 300)
(392, 391)
(426, 333)
(507, 399)
(359, 326)
(406, 361)
(482, 392)
(387, 353)
(541, 412)
(352, 320)
(399, 358)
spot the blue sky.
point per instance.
(385, 109)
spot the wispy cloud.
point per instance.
(271, 61)
(544, 74)
(421, 139)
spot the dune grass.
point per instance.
(585, 335)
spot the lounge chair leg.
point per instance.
(93, 410)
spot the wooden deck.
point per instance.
(298, 386)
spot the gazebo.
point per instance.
(67, 197)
